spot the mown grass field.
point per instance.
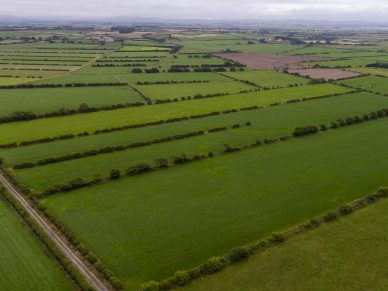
(78, 123)
(349, 254)
(24, 265)
(43, 100)
(189, 203)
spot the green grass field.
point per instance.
(137, 48)
(4, 81)
(315, 112)
(24, 265)
(46, 100)
(100, 120)
(209, 207)
(370, 83)
(349, 254)
(268, 78)
(265, 124)
(372, 71)
(171, 91)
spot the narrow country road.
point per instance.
(62, 245)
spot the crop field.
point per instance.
(370, 83)
(160, 152)
(24, 265)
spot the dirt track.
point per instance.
(94, 281)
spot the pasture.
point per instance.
(43, 100)
(42, 128)
(268, 79)
(278, 187)
(371, 83)
(218, 133)
(355, 246)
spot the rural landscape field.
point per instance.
(193, 157)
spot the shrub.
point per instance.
(114, 174)
(138, 169)
(278, 237)
(306, 130)
(345, 209)
(151, 286)
(212, 265)
(181, 278)
(238, 254)
(137, 71)
(330, 216)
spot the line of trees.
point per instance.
(172, 82)
(83, 108)
(67, 85)
(99, 65)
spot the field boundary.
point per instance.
(60, 248)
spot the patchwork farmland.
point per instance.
(158, 158)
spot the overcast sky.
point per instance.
(375, 10)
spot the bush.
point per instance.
(238, 254)
(330, 216)
(114, 174)
(151, 286)
(138, 169)
(137, 71)
(181, 278)
(278, 237)
(306, 130)
(212, 265)
(345, 209)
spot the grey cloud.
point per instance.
(201, 9)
